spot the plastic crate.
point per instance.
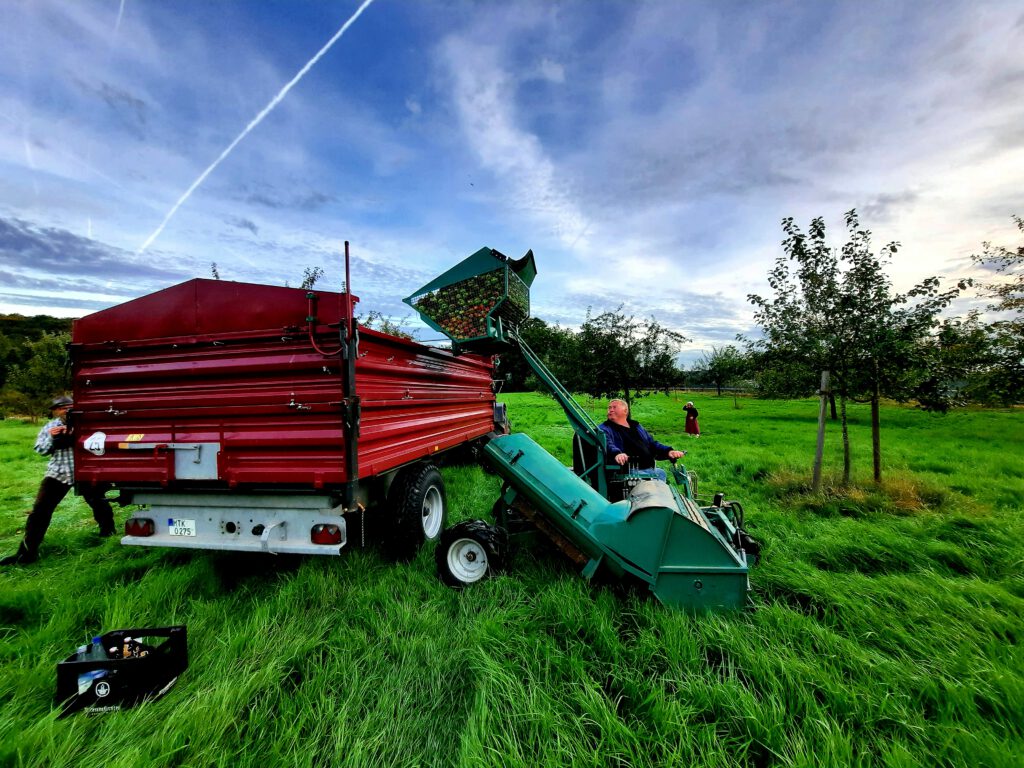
(99, 677)
(478, 300)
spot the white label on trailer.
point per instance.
(179, 526)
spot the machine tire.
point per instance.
(469, 552)
(419, 511)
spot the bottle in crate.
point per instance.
(117, 669)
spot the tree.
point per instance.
(16, 331)
(889, 335)
(723, 366)
(1008, 294)
(780, 377)
(616, 354)
(378, 321)
(551, 343)
(962, 358)
(309, 277)
(1005, 379)
(837, 312)
(7, 348)
(801, 337)
(45, 373)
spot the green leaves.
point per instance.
(45, 373)
(616, 354)
(1001, 374)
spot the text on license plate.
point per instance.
(178, 526)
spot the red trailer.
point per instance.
(258, 418)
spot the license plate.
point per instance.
(178, 526)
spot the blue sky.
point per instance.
(646, 151)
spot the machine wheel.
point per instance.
(469, 552)
(419, 511)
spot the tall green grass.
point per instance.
(884, 630)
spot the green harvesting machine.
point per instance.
(611, 522)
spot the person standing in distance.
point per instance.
(692, 427)
(56, 440)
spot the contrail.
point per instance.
(255, 121)
(120, 15)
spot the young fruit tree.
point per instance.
(836, 311)
(723, 366)
(1005, 379)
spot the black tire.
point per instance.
(470, 552)
(419, 511)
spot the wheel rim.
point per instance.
(432, 512)
(467, 560)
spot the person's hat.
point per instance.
(61, 402)
(688, 404)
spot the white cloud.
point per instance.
(647, 151)
(551, 71)
(483, 91)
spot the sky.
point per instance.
(646, 152)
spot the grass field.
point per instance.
(884, 630)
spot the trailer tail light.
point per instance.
(139, 526)
(325, 534)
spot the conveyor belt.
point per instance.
(694, 513)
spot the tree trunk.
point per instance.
(846, 441)
(824, 396)
(876, 442)
(876, 436)
(832, 404)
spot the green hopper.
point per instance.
(475, 302)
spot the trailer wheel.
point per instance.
(419, 511)
(469, 552)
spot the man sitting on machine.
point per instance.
(631, 446)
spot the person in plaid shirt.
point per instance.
(56, 441)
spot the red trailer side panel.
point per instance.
(211, 384)
(417, 401)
